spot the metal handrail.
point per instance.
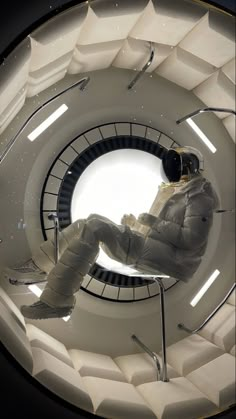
(202, 110)
(183, 327)
(82, 82)
(53, 217)
(145, 67)
(158, 280)
(150, 353)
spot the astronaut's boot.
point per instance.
(64, 280)
(27, 274)
(36, 270)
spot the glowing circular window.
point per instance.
(110, 175)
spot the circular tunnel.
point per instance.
(187, 49)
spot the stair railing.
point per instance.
(158, 280)
(53, 217)
(202, 110)
(145, 67)
(82, 83)
(183, 327)
(150, 353)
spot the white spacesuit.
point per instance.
(173, 244)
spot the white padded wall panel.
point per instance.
(229, 123)
(93, 57)
(217, 91)
(46, 76)
(13, 79)
(12, 109)
(52, 49)
(56, 37)
(167, 21)
(134, 54)
(104, 27)
(185, 69)
(213, 39)
(229, 70)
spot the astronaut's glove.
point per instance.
(128, 220)
(147, 219)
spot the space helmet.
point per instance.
(181, 161)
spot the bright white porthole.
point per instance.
(117, 183)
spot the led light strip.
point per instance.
(201, 135)
(37, 291)
(204, 288)
(49, 121)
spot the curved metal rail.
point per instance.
(158, 280)
(82, 83)
(183, 327)
(145, 67)
(202, 110)
(150, 353)
(53, 217)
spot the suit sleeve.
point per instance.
(195, 227)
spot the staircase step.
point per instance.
(167, 22)
(94, 57)
(191, 353)
(212, 39)
(220, 330)
(177, 398)
(135, 53)
(185, 69)
(140, 368)
(217, 91)
(217, 380)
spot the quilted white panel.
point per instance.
(13, 79)
(229, 124)
(176, 399)
(217, 91)
(229, 70)
(93, 57)
(216, 380)
(213, 39)
(167, 21)
(107, 25)
(134, 54)
(56, 37)
(12, 109)
(185, 69)
(48, 75)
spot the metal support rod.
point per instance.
(150, 353)
(183, 327)
(145, 67)
(202, 110)
(158, 280)
(53, 217)
(82, 83)
(163, 333)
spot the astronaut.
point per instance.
(171, 242)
